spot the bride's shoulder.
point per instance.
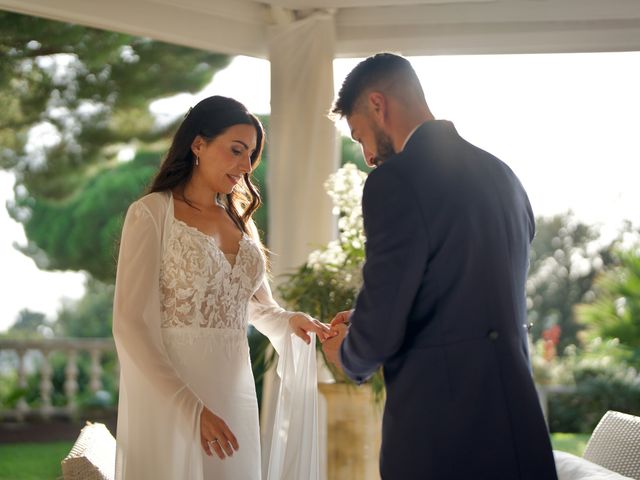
(156, 203)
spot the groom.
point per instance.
(442, 307)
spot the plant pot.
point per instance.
(353, 431)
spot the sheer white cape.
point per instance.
(158, 413)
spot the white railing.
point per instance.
(33, 355)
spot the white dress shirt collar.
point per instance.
(410, 135)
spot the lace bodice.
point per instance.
(200, 287)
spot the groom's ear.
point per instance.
(377, 106)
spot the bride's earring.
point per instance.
(197, 160)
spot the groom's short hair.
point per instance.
(385, 72)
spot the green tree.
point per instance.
(72, 96)
(351, 152)
(28, 324)
(90, 316)
(81, 232)
(565, 260)
(86, 91)
(615, 311)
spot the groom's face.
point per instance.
(376, 144)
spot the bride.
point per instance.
(191, 275)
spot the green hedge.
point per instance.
(610, 387)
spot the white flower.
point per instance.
(345, 189)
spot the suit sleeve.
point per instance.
(396, 258)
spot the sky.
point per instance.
(567, 124)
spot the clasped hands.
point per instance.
(331, 336)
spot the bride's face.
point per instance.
(224, 160)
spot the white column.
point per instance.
(302, 140)
(303, 152)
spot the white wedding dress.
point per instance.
(181, 313)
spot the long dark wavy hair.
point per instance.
(210, 118)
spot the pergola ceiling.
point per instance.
(412, 27)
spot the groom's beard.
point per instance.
(384, 146)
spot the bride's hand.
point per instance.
(215, 435)
(301, 324)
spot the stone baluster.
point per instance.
(46, 386)
(96, 371)
(22, 408)
(73, 349)
(71, 380)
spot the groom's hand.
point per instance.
(342, 317)
(331, 347)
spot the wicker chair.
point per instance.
(615, 444)
(93, 455)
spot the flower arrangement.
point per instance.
(331, 277)
(346, 253)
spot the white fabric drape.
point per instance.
(290, 445)
(303, 152)
(302, 139)
(296, 415)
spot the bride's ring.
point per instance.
(215, 440)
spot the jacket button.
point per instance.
(493, 335)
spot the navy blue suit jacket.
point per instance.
(442, 309)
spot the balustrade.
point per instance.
(31, 356)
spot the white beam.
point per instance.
(505, 26)
(212, 29)
(508, 38)
(495, 12)
(245, 11)
(324, 4)
(413, 27)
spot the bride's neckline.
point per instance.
(208, 237)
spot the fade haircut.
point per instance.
(384, 72)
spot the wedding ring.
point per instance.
(215, 440)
